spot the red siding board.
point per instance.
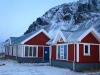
(90, 39)
(71, 52)
(60, 42)
(94, 54)
(39, 39)
(40, 52)
(53, 56)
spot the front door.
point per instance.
(46, 54)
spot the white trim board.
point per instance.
(77, 54)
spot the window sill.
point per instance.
(86, 54)
(61, 59)
(30, 57)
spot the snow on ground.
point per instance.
(13, 68)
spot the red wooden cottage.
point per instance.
(29, 48)
(78, 50)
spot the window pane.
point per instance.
(86, 48)
(26, 51)
(30, 51)
(34, 51)
(61, 46)
(65, 51)
(61, 57)
(58, 52)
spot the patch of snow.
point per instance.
(83, 1)
(13, 68)
(75, 28)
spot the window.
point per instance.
(30, 51)
(60, 40)
(62, 52)
(86, 49)
(34, 51)
(26, 51)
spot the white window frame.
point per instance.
(32, 51)
(87, 54)
(60, 52)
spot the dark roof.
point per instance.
(18, 40)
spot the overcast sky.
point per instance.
(17, 15)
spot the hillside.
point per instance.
(72, 16)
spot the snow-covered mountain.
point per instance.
(72, 16)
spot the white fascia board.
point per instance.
(83, 35)
(93, 31)
(59, 34)
(54, 41)
(42, 30)
(63, 37)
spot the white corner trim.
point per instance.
(93, 31)
(37, 51)
(77, 48)
(59, 34)
(42, 30)
(56, 52)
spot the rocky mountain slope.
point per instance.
(73, 16)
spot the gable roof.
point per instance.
(12, 39)
(22, 39)
(75, 36)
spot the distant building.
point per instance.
(77, 50)
(2, 50)
(29, 48)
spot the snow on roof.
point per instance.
(50, 41)
(72, 36)
(12, 39)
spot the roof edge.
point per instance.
(42, 30)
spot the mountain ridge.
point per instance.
(69, 16)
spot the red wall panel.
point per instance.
(60, 42)
(94, 54)
(71, 52)
(39, 39)
(53, 56)
(90, 39)
(40, 52)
